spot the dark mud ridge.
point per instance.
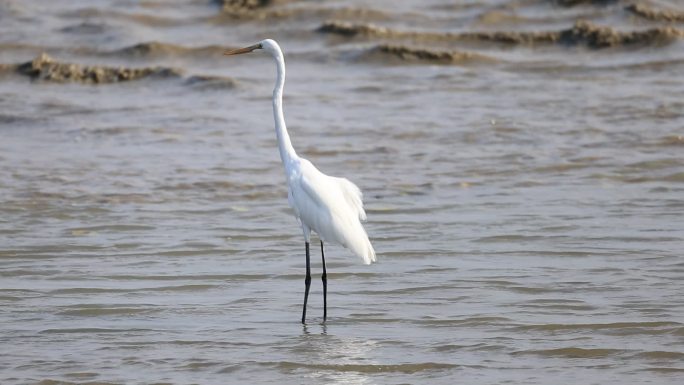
(277, 10)
(243, 5)
(582, 33)
(157, 49)
(603, 37)
(410, 54)
(45, 68)
(242, 8)
(649, 13)
(572, 3)
(150, 49)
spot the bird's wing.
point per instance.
(328, 191)
(331, 207)
(353, 195)
(315, 185)
(306, 191)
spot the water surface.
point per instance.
(525, 199)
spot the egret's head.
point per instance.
(267, 45)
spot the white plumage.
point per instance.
(330, 206)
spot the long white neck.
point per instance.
(287, 152)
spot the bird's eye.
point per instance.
(261, 46)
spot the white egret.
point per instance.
(330, 206)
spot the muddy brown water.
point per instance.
(525, 196)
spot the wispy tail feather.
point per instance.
(364, 249)
(369, 257)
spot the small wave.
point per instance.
(335, 275)
(646, 12)
(96, 311)
(85, 28)
(91, 330)
(582, 33)
(45, 68)
(672, 140)
(108, 228)
(654, 327)
(464, 322)
(195, 287)
(108, 14)
(199, 277)
(559, 304)
(450, 348)
(495, 17)
(656, 164)
(412, 54)
(369, 368)
(511, 238)
(98, 290)
(88, 290)
(62, 382)
(27, 272)
(572, 352)
(661, 355)
(205, 82)
(664, 370)
(677, 177)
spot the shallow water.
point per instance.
(525, 202)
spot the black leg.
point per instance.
(307, 282)
(324, 277)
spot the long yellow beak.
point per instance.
(242, 50)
